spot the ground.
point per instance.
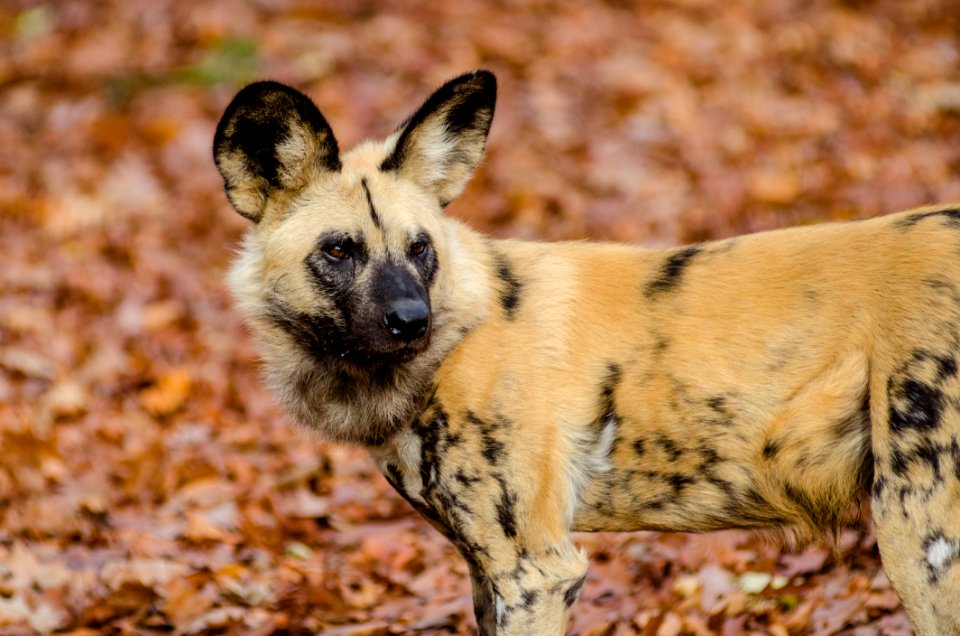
(147, 481)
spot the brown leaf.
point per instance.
(168, 394)
(774, 186)
(27, 362)
(67, 399)
(184, 602)
(145, 572)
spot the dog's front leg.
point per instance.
(484, 600)
(532, 596)
(519, 587)
(526, 570)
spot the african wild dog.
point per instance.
(515, 391)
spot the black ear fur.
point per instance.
(460, 112)
(271, 136)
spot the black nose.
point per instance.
(407, 319)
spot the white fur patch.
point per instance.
(589, 458)
(403, 449)
(435, 146)
(408, 452)
(599, 458)
(941, 552)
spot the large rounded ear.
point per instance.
(271, 137)
(443, 142)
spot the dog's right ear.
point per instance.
(271, 138)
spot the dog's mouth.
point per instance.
(391, 355)
(323, 339)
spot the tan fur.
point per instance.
(765, 381)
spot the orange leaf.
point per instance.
(168, 394)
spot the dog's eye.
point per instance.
(418, 248)
(336, 251)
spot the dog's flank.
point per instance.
(514, 391)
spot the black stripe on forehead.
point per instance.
(373, 210)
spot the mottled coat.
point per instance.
(516, 391)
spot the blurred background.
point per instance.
(147, 482)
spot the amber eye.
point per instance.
(418, 248)
(335, 251)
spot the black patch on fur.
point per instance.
(483, 600)
(929, 453)
(710, 459)
(318, 336)
(670, 447)
(671, 272)
(679, 481)
(463, 116)
(946, 367)
(717, 404)
(955, 454)
(510, 291)
(638, 446)
(950, 216)
(727, 487)
(903, 493)
(431, 431)
(570, 596)
(656, 504)
(608, 410)
(770, 449)
(899, 462)
(454, 507)
(257, 140)
(491, 448)
(914, 406)
(879, 484)
(465, 480)
(924, 453)
(395, 479)
(529, 598)
(373, 211)
(719, 411)
(506, 508)
(453, 439)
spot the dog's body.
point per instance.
(515, 391)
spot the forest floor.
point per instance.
(148, 484)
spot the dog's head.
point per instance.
(345, 248)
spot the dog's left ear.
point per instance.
(443, 142)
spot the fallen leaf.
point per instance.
(168, 394)
(754, 582)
